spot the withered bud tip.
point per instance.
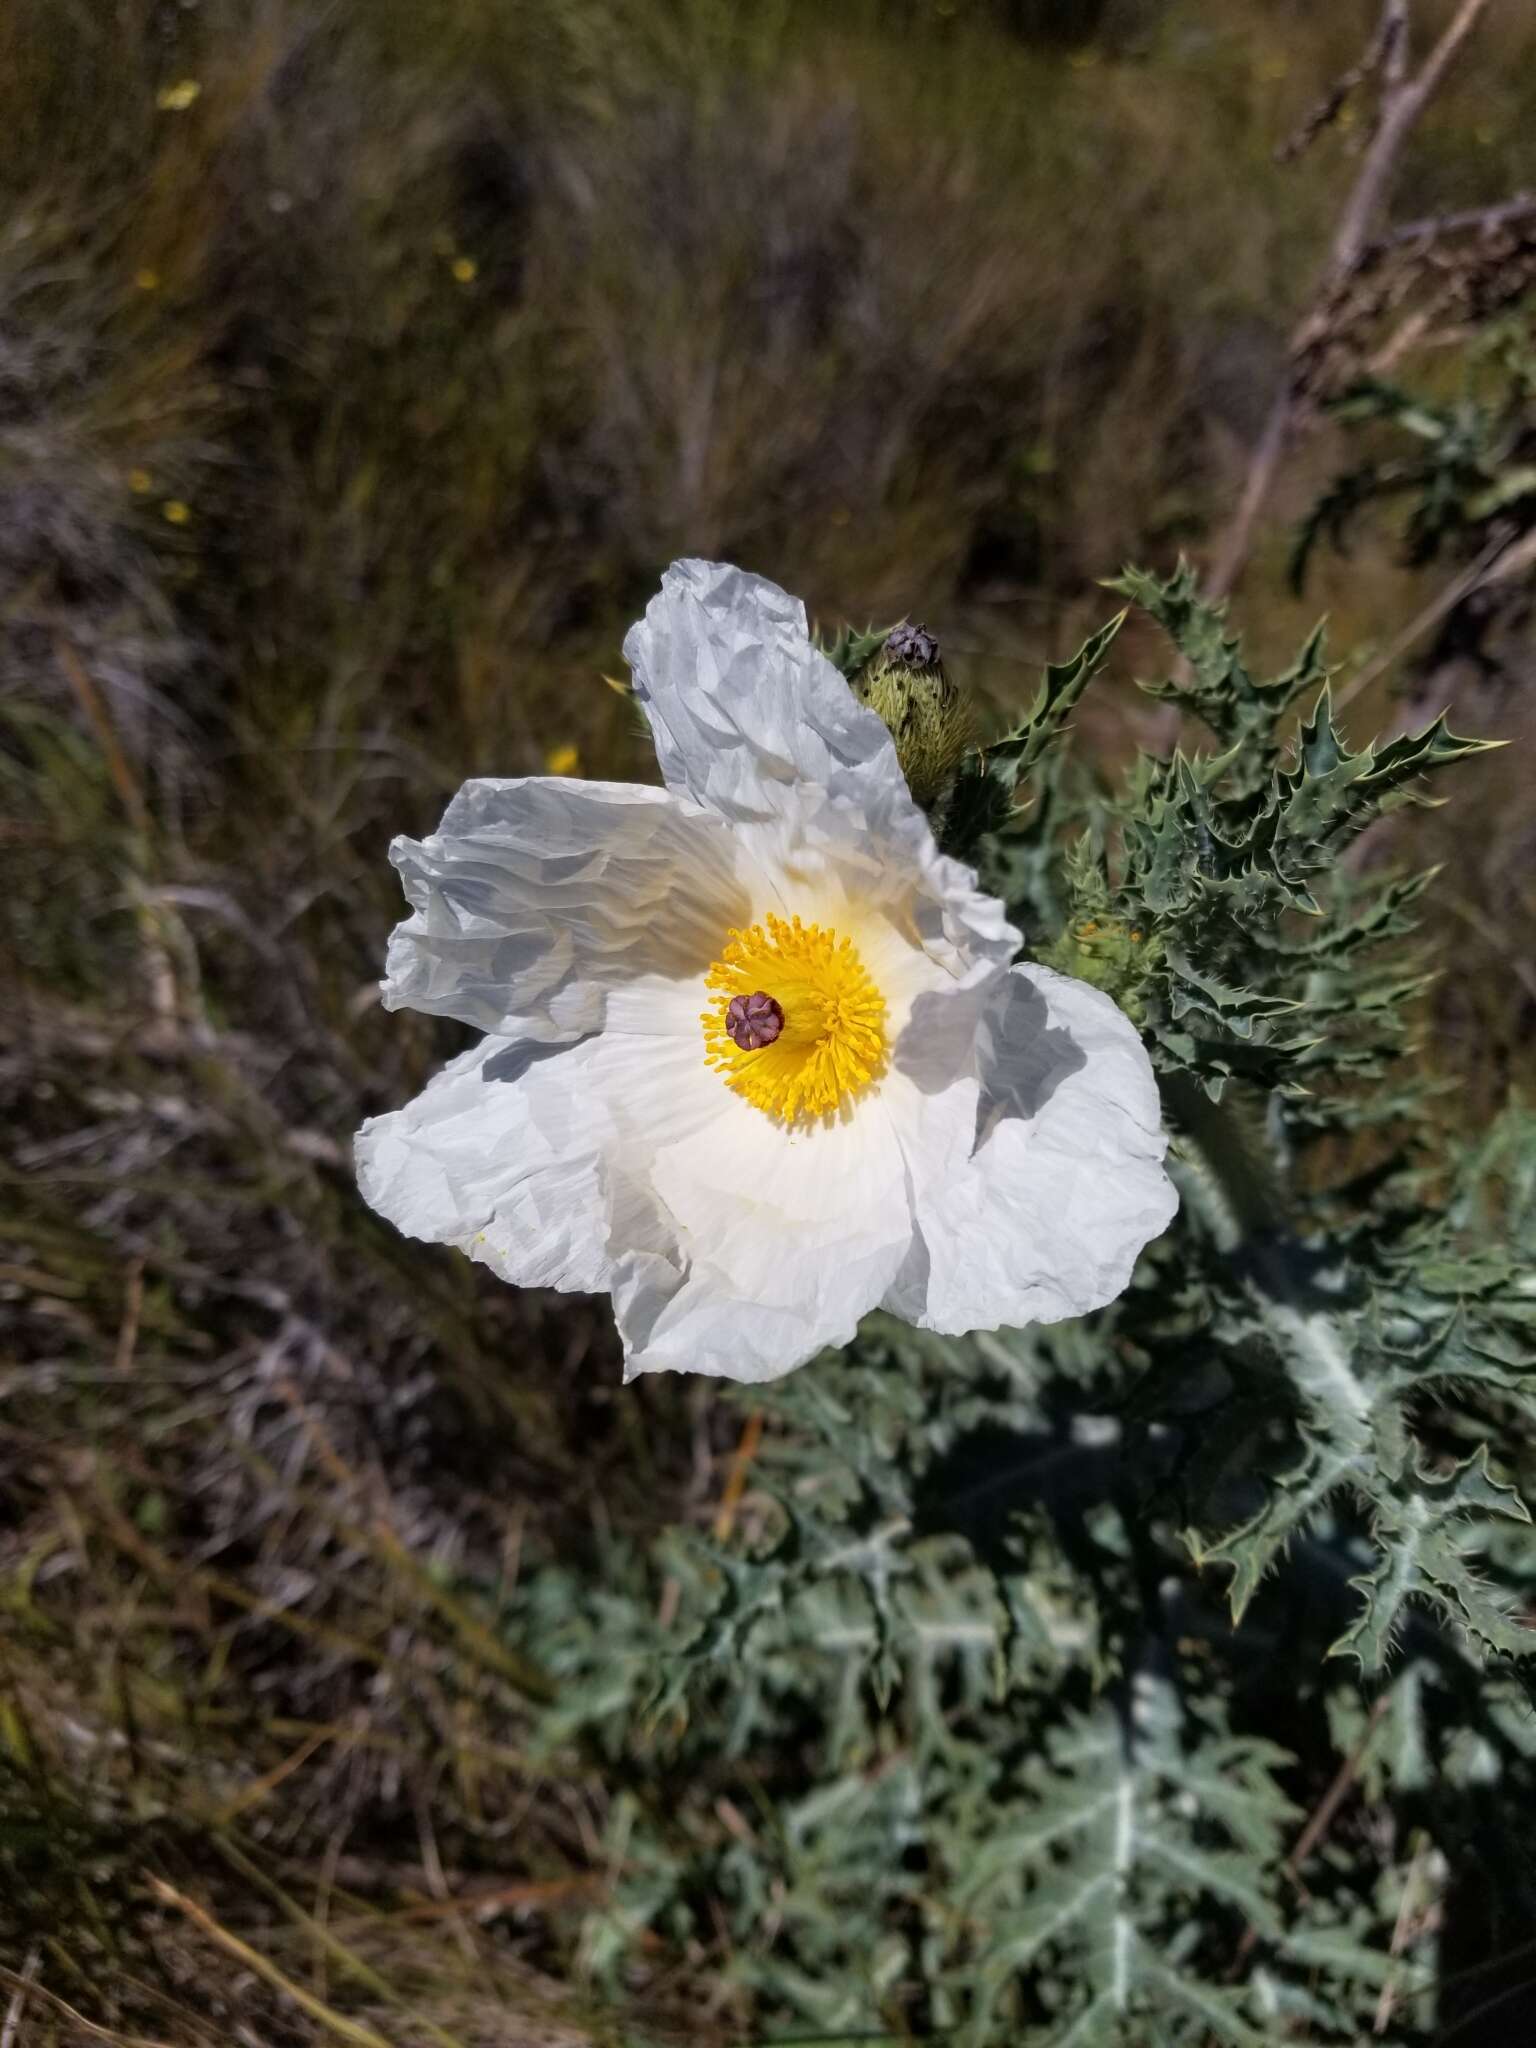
(914, 646)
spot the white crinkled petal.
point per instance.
(507, 1154)
(1065, 1184)
(753, 721)
(470, 1160)
(624, 1163)
(748, 717)
(537, 896)
(790, 1239)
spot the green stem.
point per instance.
(1230, 1192)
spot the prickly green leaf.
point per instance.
(1012, 758)
(1135, 1820)
(850, 647)
(1238, 707)
(1428, 1528)
(1331, 790)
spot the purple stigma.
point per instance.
(753, 1021)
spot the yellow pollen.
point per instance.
(833, 1041)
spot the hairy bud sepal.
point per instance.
(904, 683)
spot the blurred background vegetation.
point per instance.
(361, 365)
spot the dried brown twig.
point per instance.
(316, 2009)
(1385, 51)
(1499, 560)
(1470, 220)
(1404, 96)
(1322, 1816)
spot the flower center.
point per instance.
(799, 1027)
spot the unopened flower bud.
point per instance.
(904, 684)
(1111, 954)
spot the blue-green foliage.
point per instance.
(979, 1749)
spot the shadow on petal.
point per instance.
(1023, 1058)
(939, 1044)
(519, 1054)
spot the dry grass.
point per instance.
(346, 414)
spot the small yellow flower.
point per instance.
(175, 99)
(1272, 69)
(147, 280)
(140, 482)
(175, 513)
(465, 269)
(563, 760)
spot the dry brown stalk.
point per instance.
(325, 2015)
(1384, 50)
(530, 1895)
(1497, 560)
(17, 2006)
(1471, 220)
(258, 1789)
(1333, 1798)
(335, 1950)
(23, 1984)
(736, 1479)
(128, 1328)
(91, 702)
(1321, 1818)
(1407, 1913)
(1404, 97)
(159, 968)
(377, 1536)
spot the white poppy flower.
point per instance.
(756, 1060)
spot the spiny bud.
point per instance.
(904, 684)
(1110, 953)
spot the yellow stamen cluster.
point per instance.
(833, 1041)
